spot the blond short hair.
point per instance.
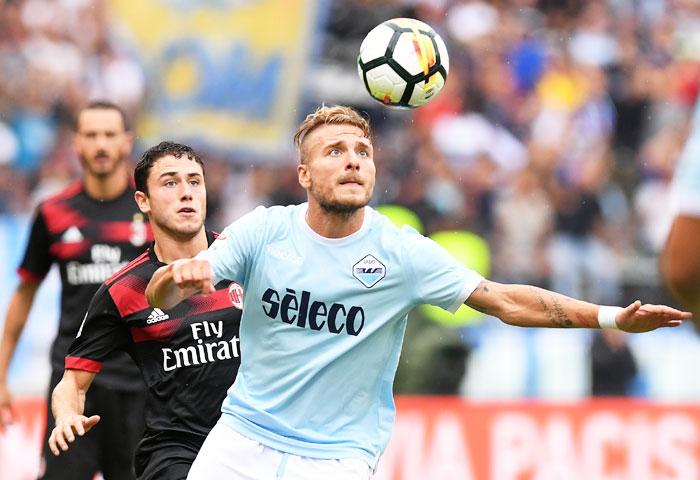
(334, 115)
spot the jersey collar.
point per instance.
(301, 218)
(211, 236)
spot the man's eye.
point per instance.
(194, 182)
(170, 183)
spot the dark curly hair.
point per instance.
(155, 153)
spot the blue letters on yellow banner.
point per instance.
(227, 73)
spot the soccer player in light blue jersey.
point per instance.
(680, 259)
(328, 285)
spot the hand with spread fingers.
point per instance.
(66, 429)
(638, 318)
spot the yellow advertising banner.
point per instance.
(223, 73)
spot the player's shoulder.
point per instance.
(69, 192)
(381, 224)
(268, 218)
(279, 211)
(138, 265)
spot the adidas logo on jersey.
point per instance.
(72, 235)
(157, 315)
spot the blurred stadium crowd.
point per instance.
(555, 139)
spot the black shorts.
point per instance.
(109, 446)
(166, 463)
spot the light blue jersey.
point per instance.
(687, 176)
(323, 322)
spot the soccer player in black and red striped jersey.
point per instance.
(188, 355)
(91, 229)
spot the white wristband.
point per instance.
(607, 315)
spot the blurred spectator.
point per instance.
(582, 264)
(612, 365)
(652, 198)
(8, 145)
(433, 359)
(55, 56)
(524, 219)
(593, 41)
(112, 74)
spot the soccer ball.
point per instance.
(403, 63)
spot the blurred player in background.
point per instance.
(188, 355)
(680, 259)
(328, 286)
(91, 229)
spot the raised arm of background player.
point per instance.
(16, 318)
(34, 267)
(68, 405)
(518, 305)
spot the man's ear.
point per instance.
(304, 175)
(143, 202)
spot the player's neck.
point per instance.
(108, 187)
(334, 225)
(169, 248)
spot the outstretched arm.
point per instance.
(67, 405)
(528, 306)
(178, 281)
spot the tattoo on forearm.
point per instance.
(545, 309)
(556, 314)
(562, 320)
(479, 308)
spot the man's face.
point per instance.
(177, 197)
(101, 142)
(339, 170)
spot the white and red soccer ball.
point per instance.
(403, 62)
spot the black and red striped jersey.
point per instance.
(89, 239)
(188, 355)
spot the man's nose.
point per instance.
(101, 141)
(186, 190)
(353, 161)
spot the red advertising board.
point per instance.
(450, 438)
(444, 438)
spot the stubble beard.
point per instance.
(102, 174)
(336, 208)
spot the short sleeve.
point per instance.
(101, 333)
(37, 260)
(436, 277)
(231, 253)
